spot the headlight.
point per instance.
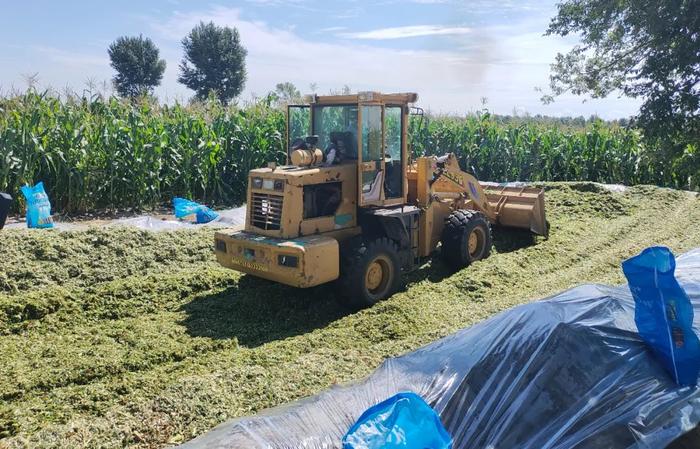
(288, 261)
(279, 185)
(257, 183)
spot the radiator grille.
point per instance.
(267, 211)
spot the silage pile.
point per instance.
(120, 336)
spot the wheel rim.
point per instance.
(378, 274)
(475, 243)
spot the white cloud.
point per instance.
(503, 64)
(275, 2)
(55, 68)
(349, 13)
(331, 29)
(276, 55)
(500, 63)
(301, 5)
(407, 31)
(72, 58)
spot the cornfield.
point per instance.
(109, 153)
(519, 150)
(96, 153)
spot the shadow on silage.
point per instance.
(506, 240)
(434, 271)
(256, 311)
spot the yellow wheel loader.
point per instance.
(352, 207)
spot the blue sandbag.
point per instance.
(184, 207)
(205, 215)
(404, 421)
(663, 313)
(38, 206)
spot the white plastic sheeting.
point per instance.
(227, 218)
(569, 371)
(57, 225)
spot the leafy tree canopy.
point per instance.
(139, 68)
(287, 93)
(214, 62)
(649, 49)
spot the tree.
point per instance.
(214, 62)
(648, 50)
(345, 90)
(139, 68)
(287, 93)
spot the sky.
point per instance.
(459, 56)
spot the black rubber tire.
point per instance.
(455, 238)
(356, 258)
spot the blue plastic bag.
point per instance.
(663, 313)
(404, 421)
(38, 206)
(184, 207)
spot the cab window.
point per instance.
(337, 125)
(298, 122)
(393, 127)
(371, 133)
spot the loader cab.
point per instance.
(368, 130)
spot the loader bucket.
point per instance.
(518, 207)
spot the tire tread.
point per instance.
(355, 256)
(458, 225)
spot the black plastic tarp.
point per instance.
(566, 372)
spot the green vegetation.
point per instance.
(138, 65)
(214, 62)
(115, 337)
(648, 51)
(108, 153)
(287, 93)
(513, 151)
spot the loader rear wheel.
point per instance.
(466, 238)
(369, 272)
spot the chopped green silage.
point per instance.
(119, 337)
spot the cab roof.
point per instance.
(403, 98)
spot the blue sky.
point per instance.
(453, 53)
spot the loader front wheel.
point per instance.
(369, 272)
(466, 238)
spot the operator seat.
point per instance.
(346, 138)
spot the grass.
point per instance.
(121, 337)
